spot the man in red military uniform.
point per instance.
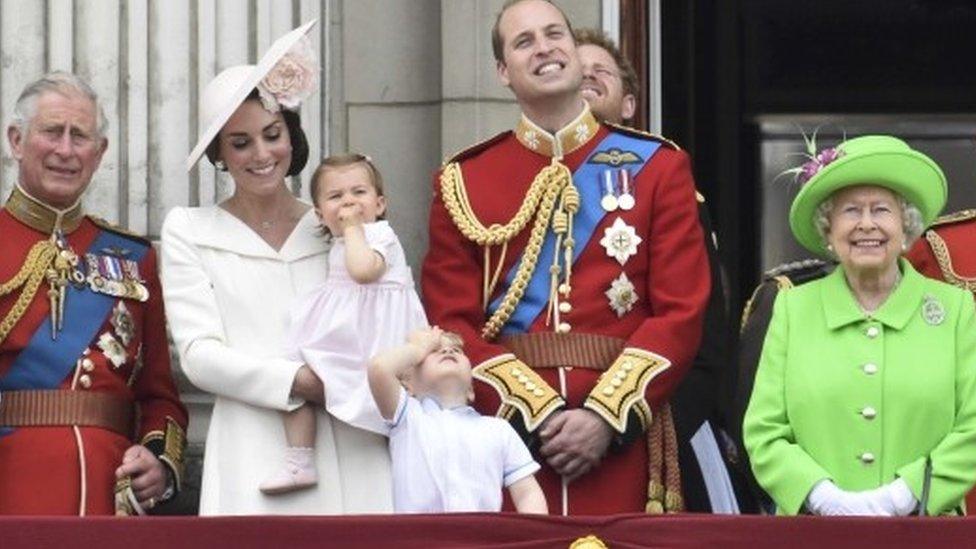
(947, 252)
(569, 256)
(84, 362)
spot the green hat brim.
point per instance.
(914, 176)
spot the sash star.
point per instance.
(620, 241)
(122, 323)
(622, 295)
(113, 350)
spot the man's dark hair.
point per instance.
(497, 46)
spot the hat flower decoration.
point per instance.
(816, 161)
(292, 80)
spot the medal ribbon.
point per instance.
(588, 180)
(44, 363)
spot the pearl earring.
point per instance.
(830, 247)
(904, 246)
(220, 165)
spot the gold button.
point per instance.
(87, 364)
(523, 379)
(616, 382)
(85, 381)
(868, 412)
(538, 392)
(565, 307)
(564, 289)
(870, 368)
(608, 391)
(627, 366)
(867, 457)
(564, 328)
(516, 372)
(530, 386)
(620, 374)
(873, 332)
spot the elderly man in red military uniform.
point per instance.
(84, 362)
(569, 256)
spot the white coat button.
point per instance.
(868, 412)
(872, 332)
(870, 368)
(867, 458)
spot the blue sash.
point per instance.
(44, 363)
(587, 179)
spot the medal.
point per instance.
(609, 200)
(115, 276)
(626, 200)
(620, 240)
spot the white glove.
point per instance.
(893, 499)
(828, 500)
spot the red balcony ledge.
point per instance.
(508, 531)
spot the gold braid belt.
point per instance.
(551, 199)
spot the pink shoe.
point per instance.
(297, 472)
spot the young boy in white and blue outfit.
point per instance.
(446, 456)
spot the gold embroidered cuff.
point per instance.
(168, 447)
(620, 389)
(520, 388)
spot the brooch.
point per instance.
(932, 311)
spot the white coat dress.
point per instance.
(228, 295)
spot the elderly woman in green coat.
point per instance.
(863, 400)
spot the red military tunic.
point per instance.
(670, 275)
(947, 252)
(66, 470)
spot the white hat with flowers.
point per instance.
(285, 76)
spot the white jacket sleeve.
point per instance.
(198, 329)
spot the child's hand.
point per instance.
(426, 341)
(350, 216)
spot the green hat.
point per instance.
(870, 160)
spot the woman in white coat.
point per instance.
(231, 273)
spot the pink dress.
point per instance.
(340, 325)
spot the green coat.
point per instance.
(864, 399)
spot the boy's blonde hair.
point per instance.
(453, 338)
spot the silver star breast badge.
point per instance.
(622, 295)
(620, 241)
(122, 323)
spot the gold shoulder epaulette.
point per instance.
(109, 226)
(642, 134)
(476, 148)
(955, 217)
